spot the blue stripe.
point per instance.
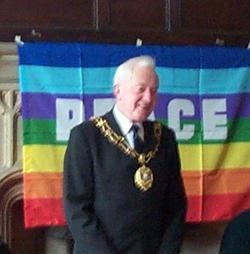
(101, 55)
(50, 54)
(51, 79)
(100, 80)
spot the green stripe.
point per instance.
(41, 132)
(44, 132)
(238, 131)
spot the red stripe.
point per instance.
(210, 208)
(213, 208)
(43, 212)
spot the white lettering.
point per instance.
(101, 106)
(175, 108)
(69, 112)
(214, 125)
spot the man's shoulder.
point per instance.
(165, 130)
(89, 125)
(83, 125)
(152, 123)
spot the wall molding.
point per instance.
(11, 191)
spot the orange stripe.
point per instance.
(49, 185)
(193, 183)
(217, 182)
(227, 181)
(42, 185)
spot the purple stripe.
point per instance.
(161, 109)
(238, 105)
(42, 106)
(89, 102)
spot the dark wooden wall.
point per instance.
(168, 22)
(162, 22)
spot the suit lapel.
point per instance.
(149, 138)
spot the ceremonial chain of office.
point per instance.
(143, 177)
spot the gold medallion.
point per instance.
(143, 178)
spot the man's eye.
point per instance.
(140, 88)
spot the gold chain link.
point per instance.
(121, 142)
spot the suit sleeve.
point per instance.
(78, 197)
(177, 205)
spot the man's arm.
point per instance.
(176, 207)
(78, 197)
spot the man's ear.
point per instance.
(116, 90)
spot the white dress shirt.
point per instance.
(125, 125)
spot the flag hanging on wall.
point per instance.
(204, 96)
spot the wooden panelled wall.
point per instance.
(155, 22)
(168, 22)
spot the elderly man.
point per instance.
(123, 191)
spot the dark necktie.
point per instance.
(138, 143)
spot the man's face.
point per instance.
(137, 97)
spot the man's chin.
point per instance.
(142, 117)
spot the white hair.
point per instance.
(124, 71)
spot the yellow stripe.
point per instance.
(190, 157)
(49, 158)
(43, 158)
(214, 156)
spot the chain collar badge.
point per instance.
(143, 177)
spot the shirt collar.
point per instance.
(125, 124)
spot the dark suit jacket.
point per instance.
(4, 248)
(236, 238)
(105, 211)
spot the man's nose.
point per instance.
(147, 96)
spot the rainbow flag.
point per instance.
(204, 96)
